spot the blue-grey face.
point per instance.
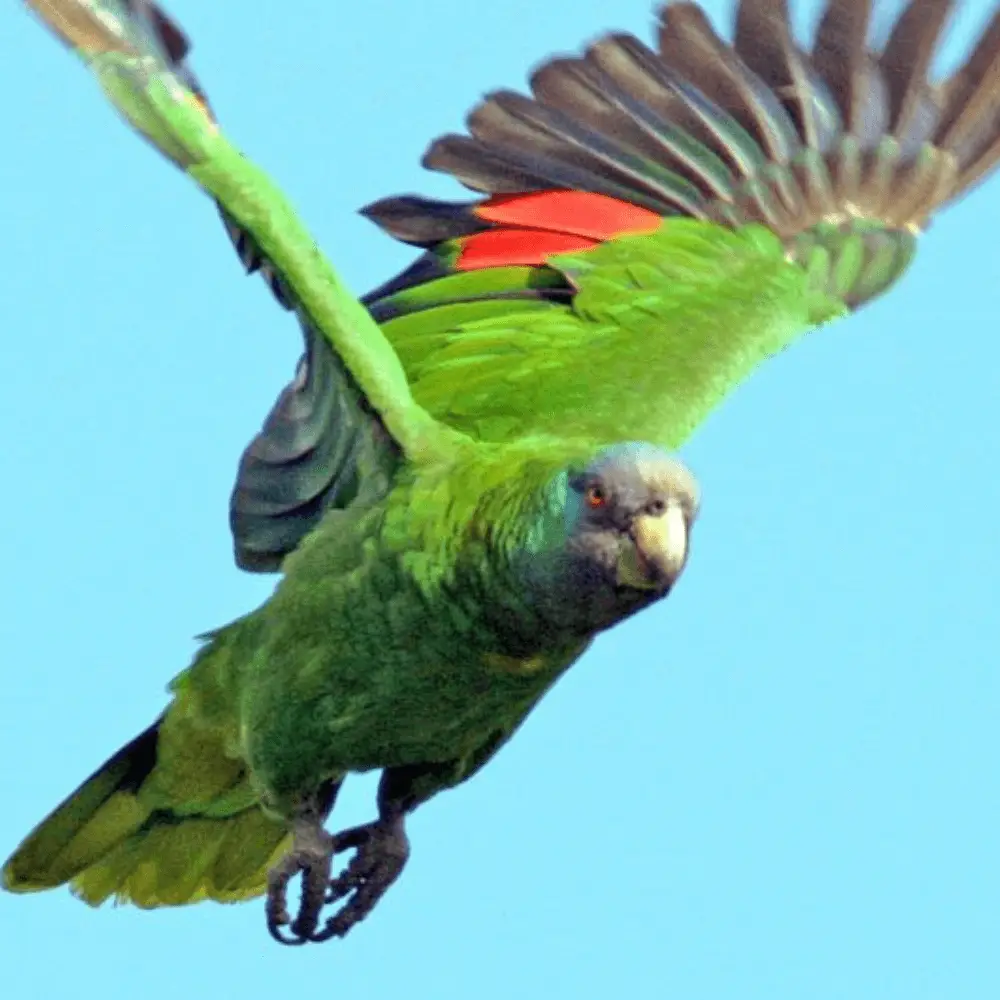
(630, 514)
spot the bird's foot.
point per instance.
(382, 849)
(311, 855)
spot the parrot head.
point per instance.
(629, 516)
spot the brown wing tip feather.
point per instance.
(761, 129)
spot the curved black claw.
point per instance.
(382, 850)
(311, 854)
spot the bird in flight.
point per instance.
(471, 474)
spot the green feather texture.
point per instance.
(466, 480)
(605, 362)
(843, 151)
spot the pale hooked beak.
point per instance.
(658, 551)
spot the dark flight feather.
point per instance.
(759, 130)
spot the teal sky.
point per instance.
(780, 784)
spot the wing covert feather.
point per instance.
(637, 355)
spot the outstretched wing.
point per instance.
(657, 222)
(659, 174)
(337, 433)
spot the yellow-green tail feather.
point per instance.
(118, 836)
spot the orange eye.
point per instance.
(595, 497)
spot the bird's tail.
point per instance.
(109, 839)
(171, 818)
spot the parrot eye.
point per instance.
(595, 498)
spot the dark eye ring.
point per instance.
(656, 507)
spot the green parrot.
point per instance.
(472, 476)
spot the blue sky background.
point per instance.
(782, 783)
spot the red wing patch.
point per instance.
(580, 213)
(509, 247)
(533, 227)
